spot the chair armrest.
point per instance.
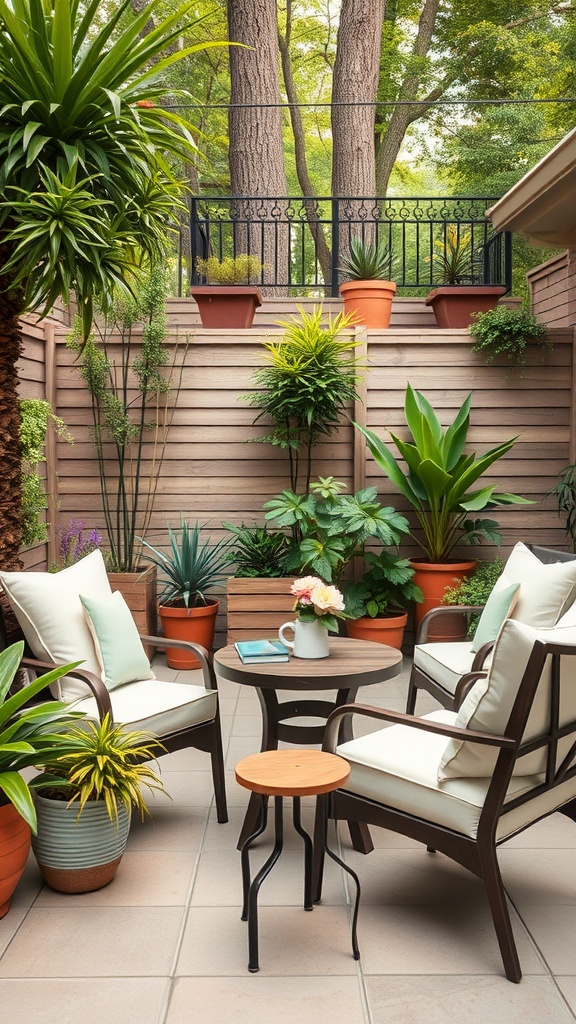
(400, 718)
(481, 655)
(204, 657)
(444, 609)
(98, 689)
(465, 684)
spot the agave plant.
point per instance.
(368, 261)
(194, 566)
(30, 735)
(441, 478)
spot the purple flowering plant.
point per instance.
(75, 541)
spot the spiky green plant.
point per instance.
(31, 735)
(104, 762)
(453, 257)
(258, 552)
(368, 261)
(193, 568)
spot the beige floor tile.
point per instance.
(447, 1000)
(144, 879)
(89, 1000)
(94, 942)
(526, 882)
(29, 884)
(10, 924)
(567, 987)
(170, 828)
(219, 879)
(258, 999)
(292, 942)
(248, 725)
(556, 831)
(553, 929)
(437, 940)
(188, 788)
(413, 876)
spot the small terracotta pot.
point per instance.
(14, 848)
(195, 624)
(434, 579)
(371, 301)
(387, 630)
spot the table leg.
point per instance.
(308, 853)
(254, 886)
(348, 869)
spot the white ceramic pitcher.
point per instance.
(310, 639)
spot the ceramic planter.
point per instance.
(371, 301)
(14, 849)
(453, 305)
(434, 579)
(194, 624)
(78, 854)
(139, 590)
(387, 629)
(226, 306)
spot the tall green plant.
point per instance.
(129, 376)
(441, 480)
(310, 379)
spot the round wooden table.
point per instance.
(293, 773)
(350, 665)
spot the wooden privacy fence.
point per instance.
(214, 472)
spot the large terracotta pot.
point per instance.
(434, 579)
(14, 849)
(223, 306)
(453, 305)
(195, 624)
(371, 301)
(387, 630)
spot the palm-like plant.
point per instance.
(368, 261)
(441, 478)
(88, 190)
(193, 567)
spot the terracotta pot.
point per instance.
(14, 849)
(226, 305)
(371, 301)
(453, 305)
(195, 624)
(387, 630)
(434, 579)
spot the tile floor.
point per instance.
(164, 943)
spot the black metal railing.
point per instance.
(300, 241)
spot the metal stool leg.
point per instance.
(253, 960)
(308, 853)
(338, 860)
(245, 854)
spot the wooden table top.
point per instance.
(292, 772)
(350, 663)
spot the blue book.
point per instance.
(259, 652)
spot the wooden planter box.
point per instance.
(256, 608)
(139, 590)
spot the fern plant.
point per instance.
(508, 332)
(257, 552)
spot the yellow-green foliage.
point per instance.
(241, 269)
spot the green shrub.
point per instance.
(508, 332)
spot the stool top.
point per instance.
(292, 772)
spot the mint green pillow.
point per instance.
(119, 649)
(497, 609)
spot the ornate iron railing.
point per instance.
(300, 241)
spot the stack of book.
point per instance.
(261, 652)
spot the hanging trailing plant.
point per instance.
(508, 332)
(34, 416)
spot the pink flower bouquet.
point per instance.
(318, 601)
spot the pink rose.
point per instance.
(327, 600)
(302, 589)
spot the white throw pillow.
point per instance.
(49, 611)
(119, 649)
(546, 590)
(489, 703)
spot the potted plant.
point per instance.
(258, 583)
(191, 569)
(459, 292)
(368, 292)
(231, 296)
(508, 332)
(30, 735)
(376, 605)
(133, 383)
(441, 485)
(84, 810)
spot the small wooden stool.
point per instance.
(294, 773)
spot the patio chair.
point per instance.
(545, 593)
(464, 782)
(73, 616)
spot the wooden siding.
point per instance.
(214, 474)
(553, 290)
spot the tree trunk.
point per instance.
(356, 72)
(256, 145)
(10, 460)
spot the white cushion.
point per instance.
(398, 767)
(445, 662)
(488, 705)
(546, 590)
(49, 611)
(119, 650)
(157, 706)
